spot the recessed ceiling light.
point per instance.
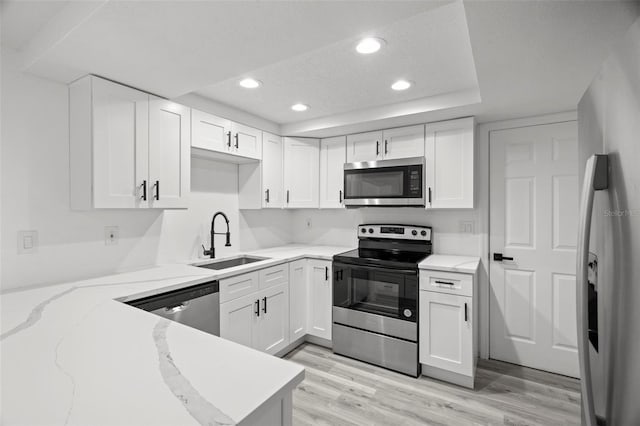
(250, 83)
(401, 85)
(369, 45)
(299, 107)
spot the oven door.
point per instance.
(381, 291)
(385, 183)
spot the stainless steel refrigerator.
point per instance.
(608, 274)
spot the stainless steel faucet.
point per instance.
(212, 252)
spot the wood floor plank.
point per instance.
(342, 391)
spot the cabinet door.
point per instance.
(403, 142)
(446, 332)
(332, 159)
(120, 145)
(273, 325)
(301, 172)
(319, 299)
(210, 132)
(272, 171)
(169, 153)
(364, 147)
(247, 141)
(239, 320)
(297, 299)
(449, 155)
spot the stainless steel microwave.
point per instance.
(385, 183)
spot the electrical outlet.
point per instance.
(27, 242)
(308, 223)
(466, 227)
(111, 234)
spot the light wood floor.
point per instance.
(342, 391)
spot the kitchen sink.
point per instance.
(230, 262)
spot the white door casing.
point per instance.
(533, 210)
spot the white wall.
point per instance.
(35, 196)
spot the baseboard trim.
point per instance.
(448, 376)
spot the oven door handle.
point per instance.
(376, 268)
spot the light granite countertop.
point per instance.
(72, 354)
(450, 263)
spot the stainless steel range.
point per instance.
(375, 294)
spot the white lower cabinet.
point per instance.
(447, 333)
(319, 299)
(239, 320)
(273, 322)
(297, 299)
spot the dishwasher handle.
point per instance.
(176, 298)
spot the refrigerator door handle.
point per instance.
(595, 179)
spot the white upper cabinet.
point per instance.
(403, 142)
(301, 172)
(169, 154)
(246, 141)
(210, 132)
(332, 159)
(125, 146)
(272, 171)
(364, 147)
(449, 157)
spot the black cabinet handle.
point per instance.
(466, 316)
(266, 195)
(326, 273)
(236, 141)
(429, 195)
(498, 257)
(444, 282)
(377, 148)
(385, 147)
(340, 195)
(229, 139)
(264, 306)
(157, 185)
(287, 196)
(257, 310)
(144, 190)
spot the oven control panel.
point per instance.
(398, 232)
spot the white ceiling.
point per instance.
(492, 59)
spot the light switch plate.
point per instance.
(111, 235)
(27, 242)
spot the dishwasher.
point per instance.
(196, 306)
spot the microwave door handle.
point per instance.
(595, 178)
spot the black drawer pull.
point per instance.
(466, 316)
(445, 282)
(264, 307)
(326, 273)
(144, 190)
(257, 304)
(267, 195)
(229, 139)
(157, 185)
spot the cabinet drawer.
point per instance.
(240, 285)
(274, 276)
(447, 282)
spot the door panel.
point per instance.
(169, 153)
(403, 142)
(210, 132)
(301, 172)
(534, 203)
(364, 147)
(247, 141)
(272, 171)
(332, 159)
(120, 132)
(320, 300)
(273, 334)
(238, 321)
(297, 299)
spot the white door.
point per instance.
(210, 132)
(403, 142)
(272, 171)
(297, 299)
(332, 159)
(446, 332)
(120, 147)
(273, 325)
(301, 172)
(364, 147)
(320, 299)
(169, 153)
(239, 320)
(533, 210)
(247, 141)
(449, 160)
